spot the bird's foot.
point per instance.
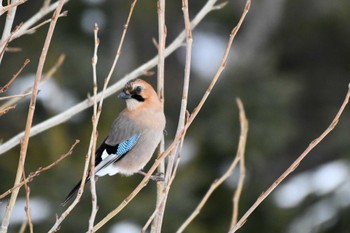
(159, 176)
(156, 177)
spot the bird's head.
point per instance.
(138, 93)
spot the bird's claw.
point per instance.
(159, 176)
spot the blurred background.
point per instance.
(290, 65)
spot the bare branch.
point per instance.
(241, 155)
(220, 6)
(3, 9)
(293, 166)
(162, 33)
(8, 25)
(27, 209)
(23, 227)
(7, 85)
(4, 42)
(15, 96)
(32, 175)
(160, 204)
(5, 110)
(36, 17)
(218, 182)
(170, 172)
(49, 74)
(33, 29)
(46, 3)
(92, 147)
(25, 140)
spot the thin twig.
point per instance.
(241, 154)
(13, 49)
(182, 115)
(6, 41)
(101, 98)
(25, 140)
(8, 25)
(7, 85)
(48, 75)
(5, 110)
(23, 227)
(33, 29)
(34, 19)
(94, 133)
(15, 96)
(218, 182)
(27, 209)
(32, 175)
(3, 9)
(163, 198)
(293, 166)
(141, 70)
(162, 33)
(46, 4)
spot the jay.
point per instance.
(134, 134)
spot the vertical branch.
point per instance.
(162, 33)
(167, 187)
(218, 182)
(92, 147)
(25, 140)
(184, 98)
(183, 109)
(119, 51)
(182, 115)
(23, 227)
(241, 155)
(8, 26)
(27, 209)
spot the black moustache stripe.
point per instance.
(138, 97)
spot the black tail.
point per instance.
(73, 191)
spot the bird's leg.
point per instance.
(156, 177)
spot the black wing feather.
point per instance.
(120, 150)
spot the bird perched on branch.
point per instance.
(134, 134)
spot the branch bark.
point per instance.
(25, 140)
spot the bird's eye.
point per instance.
(138, 89)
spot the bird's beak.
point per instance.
(123, 95)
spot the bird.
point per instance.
(133, 136)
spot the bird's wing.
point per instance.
(108, 154)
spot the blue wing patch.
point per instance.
(127, 145)
(107, 155)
